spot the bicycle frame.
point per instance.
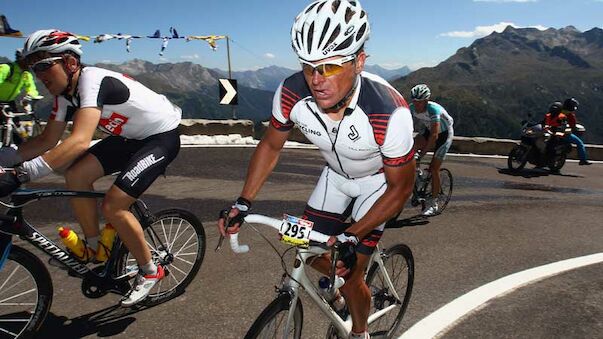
(9, 125)
(298, 278)
(13, 223)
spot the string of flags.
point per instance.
(7, 31)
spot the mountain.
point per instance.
(387, 74)
(4, 60)
(490, 86)
(267, 78)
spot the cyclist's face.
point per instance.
(420, 105)
(329, 90)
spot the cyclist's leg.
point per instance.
(81, 176)
(443, 144)
(421, 140)
(150, 161)
(357, 294)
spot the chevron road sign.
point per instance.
(228, 92)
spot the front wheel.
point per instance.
(271, 322)
(557, 162)
(391, 284)
(25, 294)
(445, 190)
(518, 157)
(177, 242)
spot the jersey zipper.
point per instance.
(333, 142)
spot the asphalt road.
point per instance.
(496, 224)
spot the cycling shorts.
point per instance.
(336, 198)
(139, 161)
(443, 142)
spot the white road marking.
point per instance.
(448, 315)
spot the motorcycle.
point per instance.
(540, 147)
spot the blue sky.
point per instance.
(413, 33)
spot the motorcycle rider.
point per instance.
(553, 121)
(570, 106)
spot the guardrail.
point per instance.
(463, 145)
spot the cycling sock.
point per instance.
(149, 268)
(92, 242)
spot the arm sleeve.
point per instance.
(279, 120)
(397, 149)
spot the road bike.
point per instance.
(390, 277)
(175, 236)
(14, 129)
(422, 192)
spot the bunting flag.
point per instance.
(6, 30)
(210, 39)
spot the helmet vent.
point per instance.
(324, 31)
(361, 31)
(333, 35)
(345, 44)
(349, 13)
(335, 6)
(310, 8)
(310, 34)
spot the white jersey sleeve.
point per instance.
(397, 148)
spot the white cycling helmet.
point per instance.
(420, 92)
(51, 41)
(328, 28)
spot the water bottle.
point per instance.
(105, 243)
(75, 244)
(335, 297)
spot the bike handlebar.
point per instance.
(273, 223)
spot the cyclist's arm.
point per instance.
(400, 181)
(434, 131)
(4, 72)
(50, 136)
(263, 161)
(30, 85)
(84, 124)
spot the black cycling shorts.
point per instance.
(139, 161)
(334, 224)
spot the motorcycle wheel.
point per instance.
(518, 157)
(557, 162)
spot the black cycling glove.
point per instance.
(347, 249)
(241, 204)
(10, 181)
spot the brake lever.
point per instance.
(223, 214)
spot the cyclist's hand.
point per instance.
(230, 219)
(9, 181)
(347, 253)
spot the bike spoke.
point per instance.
(17, 295)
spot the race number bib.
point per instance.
(296, 231)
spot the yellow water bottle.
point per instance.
(75, 244)
(105, 243)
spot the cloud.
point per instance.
(269, 55)
(481, 31)
(509, 0)
(190, 57)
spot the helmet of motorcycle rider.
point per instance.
(555, 108)
(570, 104)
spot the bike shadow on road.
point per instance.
(535, 173)
(109, 321)
(415, 220)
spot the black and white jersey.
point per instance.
(128, 108)
(376, 129)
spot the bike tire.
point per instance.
(446, 185)
(180, 268)
(557, 163)
(518, 157)
(23, 276)
(267, 323)
(400, 256)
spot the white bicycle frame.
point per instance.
(298, 277)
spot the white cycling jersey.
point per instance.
(434, 112)
(376, 129)
(128, 108)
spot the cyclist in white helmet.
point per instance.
(362, 127)
(435, 131)
(143, 141)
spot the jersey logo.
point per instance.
(353, 135)
(114, 123)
